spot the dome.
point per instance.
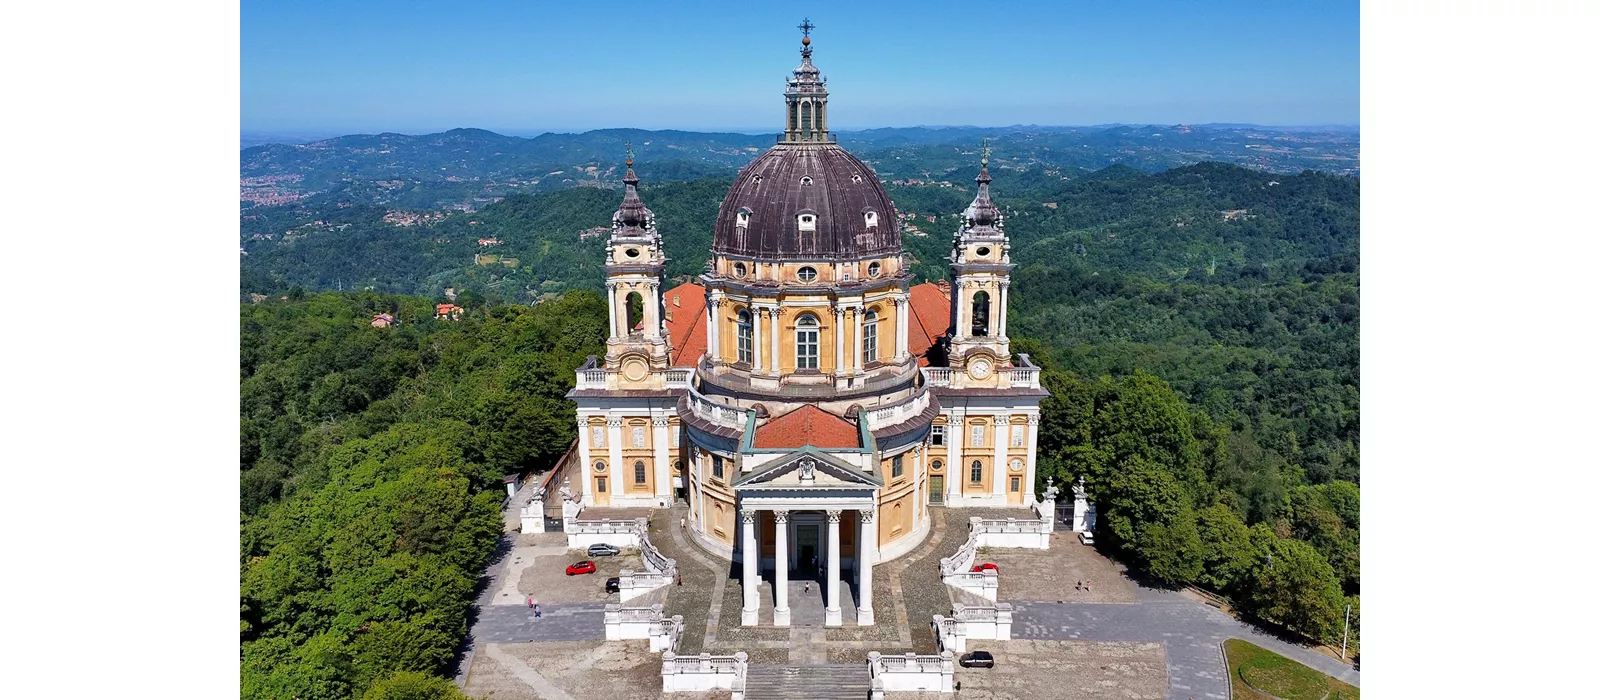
(847, 213)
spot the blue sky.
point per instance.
(532, 66)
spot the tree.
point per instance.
(1173, 553)
(1227, 553)
(409, 685)
(1297, 588)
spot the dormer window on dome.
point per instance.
(743, 218)
(805, 181)
(808, 222)
(871, 218)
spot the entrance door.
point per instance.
(807, 549)
(936, 490)
(1015, 494)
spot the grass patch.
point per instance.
(1258, 674)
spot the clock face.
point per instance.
(980, 369)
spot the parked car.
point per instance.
(582, 567)
(603, 550)
(1086, 537)
(613, 585)
(977, 659)
(986, 566)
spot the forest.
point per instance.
(1199, 330)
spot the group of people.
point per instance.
(537, 610)
(1083, 585)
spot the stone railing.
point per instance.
(590, 375)
(679, 378)
(654, 561)
(666, 633)
(985, 621)
(1023, 372)
(617, 533)
(717, 413)
(936, 376)
(950, 633)
(687, 674)
(956, 569)
(912, 672)
(1027, 533)
(630, 623)
(895, 414)
(962, 560)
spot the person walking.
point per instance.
(530, 601)
(538, 611)
(1078, 587)
(683, 523)
(1086, 585)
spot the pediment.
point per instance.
(807, 468)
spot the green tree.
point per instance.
(1297, 588)
(1227, 552)
(407, 685)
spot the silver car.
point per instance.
(603, 550)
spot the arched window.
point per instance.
(743, 333)
(980, 314)
(805, 342)
(805, 121)
(635, 311)
(806, 222)
(743, 220)
(869, 338)
(977, 472)
(638, 472)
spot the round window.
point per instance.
(808, 274)
(738, 269)
(599, 466)
(874, 269)
(983, 252)
(632, 252)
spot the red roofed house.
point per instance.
(447, 311)
(802, 396)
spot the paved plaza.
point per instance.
(1116, 639)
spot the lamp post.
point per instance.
(1346, 639)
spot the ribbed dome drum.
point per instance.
(852, 216)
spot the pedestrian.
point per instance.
(1086, 585)
(1078, 587)
(683, 523)
(808, 586)
(538, 611)
(530, 601)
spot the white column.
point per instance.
(902, 328)
(1030, 467)
(1002, 466)
(918, 473)
(956, 471)
(663, 468)
(1005, 286)
(838, 340)
(833, 615)
(615, 308)
(652, 311)
(614, 440)
(866, 554)
(755, 339)
(714, 329)
(585, 460)
(777, 356)
(780, 569)
(751, 555)
(962, 307)
(860, 312)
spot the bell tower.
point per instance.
(635, 264)
(980, 270)
(806, 99)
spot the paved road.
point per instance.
(1192, 633)
(571, 622)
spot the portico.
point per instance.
(811, 497)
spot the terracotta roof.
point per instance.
(807, 425)
(687, 327)
(930, 306)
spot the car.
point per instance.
(582, 567)
(603, 550)
(613, 585)
(1086, 537)
(986, 566)
(977, 659)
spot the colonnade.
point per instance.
(833, 614)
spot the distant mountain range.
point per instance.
(461, 165)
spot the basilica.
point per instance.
(803, 397)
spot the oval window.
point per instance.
(873, 269)
(983, 252)
(632, 252)
(808, 274)
(738, 269)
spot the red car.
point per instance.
(582, 567)
(986, 566)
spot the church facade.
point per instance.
(805, 399)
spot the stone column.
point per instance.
(902, 329)
(833, 615)
(615, 309)
(860, 312)
(1030, 467)
(777, 355)
(751, 554)
(755, 339)
(1002, 465)
(663, 470)
(652, 311)
(614, 470)
(956, 470)
(714, 329)
(866, 554)
(838, 340)
(780, 568)
(1005, 295)
(585, 460)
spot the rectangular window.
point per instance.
(597, 435)
(744, 344)
(938, 435)
(806, 347)
(1019, 435)
(977, 436)
(600, 484)
(677, 437)
(638, 436)
(716, 466)
(869, 339)
(899, 465)
(1016, 484)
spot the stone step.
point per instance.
(823, 682)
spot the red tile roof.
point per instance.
(687, 328)
(930, 306)
(807, 425)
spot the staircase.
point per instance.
(827, 682)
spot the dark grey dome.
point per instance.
(822, 181)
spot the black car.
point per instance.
(977, 659)
(603, 550)
(613, 585)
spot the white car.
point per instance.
(1086, 537)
